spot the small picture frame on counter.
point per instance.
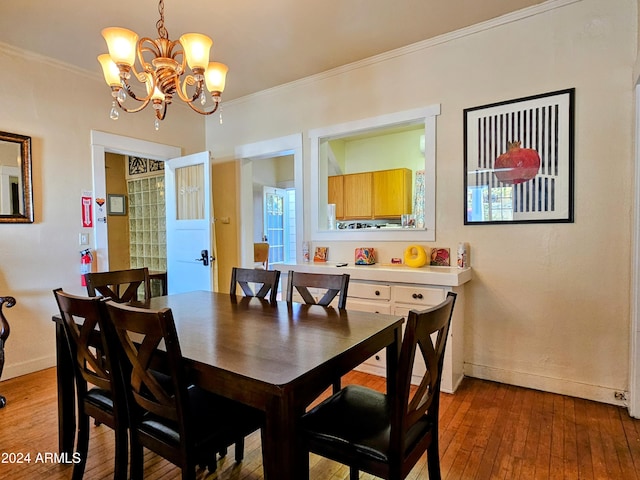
(320, 254)
(440, 257)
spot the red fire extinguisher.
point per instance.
(85, 264)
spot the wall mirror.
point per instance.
(16, 198)
(374, 179)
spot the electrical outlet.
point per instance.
(84, 239)
(620, 396)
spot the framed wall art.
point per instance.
(518, 160)
(116, 204)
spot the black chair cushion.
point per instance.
(217, 417)
(100, 398)
(356, 421)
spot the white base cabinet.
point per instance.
(397, 298)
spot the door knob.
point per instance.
(204, 258)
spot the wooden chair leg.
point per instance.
(433, 460)
(239, 449)
(121, 454)
(337, 385)
(82, 446)
(354, 473)
(137, 459)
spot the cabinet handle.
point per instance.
(417, 295)
(378, 292)
(378, 357)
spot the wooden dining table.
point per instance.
(277, 357)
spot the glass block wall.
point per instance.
(147, 225)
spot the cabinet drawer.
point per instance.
(368, 290)
(317, 295)
(368, 306)
(421, 296)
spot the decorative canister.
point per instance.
(365, 256)
(462, 255)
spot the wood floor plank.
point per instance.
(487, 431)
(585, 451)
(543, 453)
(557, 439)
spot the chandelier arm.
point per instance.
(150, 45)
(131, 93)
(203, 112)
(182, 90)
(134, 110)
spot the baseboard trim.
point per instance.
(30, 366)
(560, 386)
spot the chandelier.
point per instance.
(163, 62)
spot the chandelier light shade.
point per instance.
(162, 65)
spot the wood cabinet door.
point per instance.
(335, 194)
(392, 193)
(358, 200)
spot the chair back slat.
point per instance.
(425, 335)
(120, 286)
(334, 284)
(137, 333)
(255, 283)
(80, 316)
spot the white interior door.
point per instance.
(274, 223)
(190, 258)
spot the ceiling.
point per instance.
(265, 43)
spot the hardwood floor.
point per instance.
(487, 431)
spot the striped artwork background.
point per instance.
(536, 128)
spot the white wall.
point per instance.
(58, 107)
(549, 304)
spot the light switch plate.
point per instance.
(84, 239)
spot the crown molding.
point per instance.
(28, 55)
(415, 47)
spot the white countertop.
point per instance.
(446, 276)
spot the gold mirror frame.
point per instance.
(26, 191)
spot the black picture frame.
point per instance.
(509, 191)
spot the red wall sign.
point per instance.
(87, 210)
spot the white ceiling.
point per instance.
(264, 42)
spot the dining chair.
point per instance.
(386, 434)
(333, 284)
(264, 282)
(119, 285)
(4, 334)
(80, 317)
(167, 414)
(261, 255)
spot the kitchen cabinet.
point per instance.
(392, 193)
(383, 194)
(357, 196)
(335, 195)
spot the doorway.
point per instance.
(252, 157)
(101, 144)
(274, 216)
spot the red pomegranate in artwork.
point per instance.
(517, 164)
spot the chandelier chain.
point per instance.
(162, 31)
